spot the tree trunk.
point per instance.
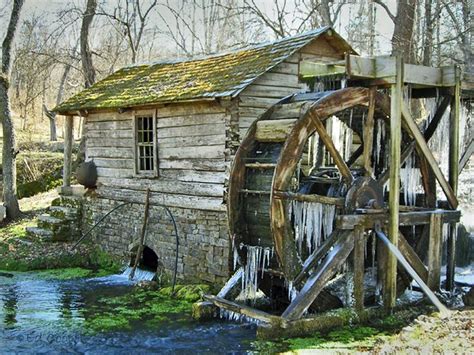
(86, 55)
(8, 155)
(9, 145)
(403, 32)
(52, 123)
(428, 35)
(59, 98)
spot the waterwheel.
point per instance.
(304, 197)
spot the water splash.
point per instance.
(140, 274)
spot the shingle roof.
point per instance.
(215, 76)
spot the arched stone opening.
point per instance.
(148, 259)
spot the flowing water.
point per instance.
(39, 315)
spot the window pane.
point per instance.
(145, 146)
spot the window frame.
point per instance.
(136, 155)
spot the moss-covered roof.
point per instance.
(211, 77)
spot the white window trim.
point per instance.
(141, 173)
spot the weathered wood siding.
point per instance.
(281, 81)
(191, 153)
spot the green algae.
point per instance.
(355, 338)
(147, 307)
(65, 273)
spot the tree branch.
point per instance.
(385, 7)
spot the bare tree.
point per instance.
(86, 55)
(131, 19)
(9, 143)
(404, 21)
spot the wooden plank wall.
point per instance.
(281, 81)
(191, 146)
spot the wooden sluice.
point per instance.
(318, 171)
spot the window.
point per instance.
(145, 145)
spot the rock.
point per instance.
(468, 298)
(204, 311)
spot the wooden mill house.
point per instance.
(173, 127)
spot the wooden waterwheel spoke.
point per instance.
(319, 278)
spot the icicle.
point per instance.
(257, 258)
(343, 83)
(374, 241)
(236, 317)
(315, 149)
(329, 212)
(292, 291)
(410, 179)
(379, 140)
(349, 289)
(312, 220)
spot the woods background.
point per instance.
(63, 46)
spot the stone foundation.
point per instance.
(204, 246)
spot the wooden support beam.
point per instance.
(412, 257)
(68, 141)
(427, 135)
(425, 150)
(242, 309)
(369, 133)
(323, 134)
(381, 69)
(232, 283)
(466, 155)
(414, 218)
(430, 130)
(429, 183)
(319, 278)
(357, 153)
(390, 287)
(338, 201)
(434, 251)
(359, 267)
(319, 253)
(453, 175)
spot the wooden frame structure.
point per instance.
(365, 77)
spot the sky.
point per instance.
(48, 8)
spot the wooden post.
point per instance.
(369, 133)
(68, 139)
(390, 287)
(434, 250)
(359, 258)
(453, 175)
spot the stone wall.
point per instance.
(203, 241)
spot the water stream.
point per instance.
(39, 315)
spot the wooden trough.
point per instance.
(317, 172)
